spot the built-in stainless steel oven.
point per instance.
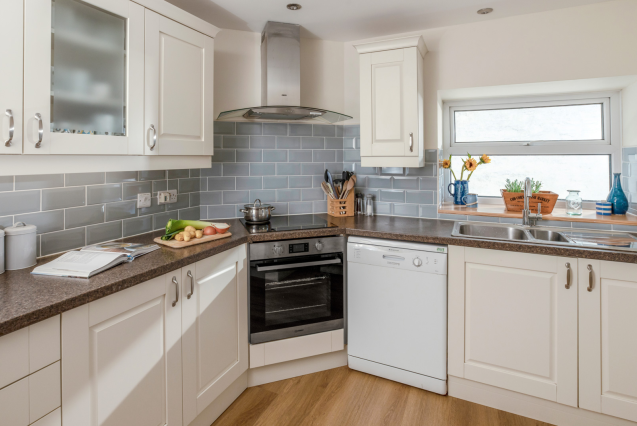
(297, 287)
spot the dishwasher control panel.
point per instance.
(398, 257)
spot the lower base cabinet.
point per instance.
(128, 360)
(556, 328)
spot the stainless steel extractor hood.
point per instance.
(281, 81)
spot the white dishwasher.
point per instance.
(397, 311)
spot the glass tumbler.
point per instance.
(369, 206)
(573, 203)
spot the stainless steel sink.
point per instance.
(548, 235)
(496, 232)
(610, 240)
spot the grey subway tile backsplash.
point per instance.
(312, 143)
(419, 197)
(323, 130)
(60, 198)
(211, 197)
(161, 219)
(160, 185)
(19, 202)
(276, 129)
(262, 142)
(108, 193)
(183, 201)
(405, 183)
(220, 212)
(313, 169)
(6, 183)
(138, 225)
(324, 156)
(300, 129)
(38, 181)
(301, 208)
(220, 183)
(131, 189)
(224, 156)
(410, 210)
(236, 142)
(155, 207)
(236, 197)
(333, 143)
(56, 242)
(249, 156)
(6, 221)
(176, 174)
(275, 156)
(152, 175)
(83, 216)
(262, 169)
(192, 213)
(254, 182)
(392, 196)
(224, 128)
(236, 169)
(275, 182)
(382, 208)
(301, 182)
(287, 195)
(288, 169)
(263, 195)
(103, 232)
(248, 128)
(189, 185)
(50, 221)
(81, 179)
(299, 156)
(117, 177)
(121, 210)
(288, 142)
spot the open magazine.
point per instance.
(93, 259)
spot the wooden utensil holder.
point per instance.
(341, 208)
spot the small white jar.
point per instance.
(20, 246)
(1, 251)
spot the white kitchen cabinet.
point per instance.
(11, 33)
(513, 321)
(608, 338)
(391, 96)
(179, 74)
(83, 77)
(14, 404)
(121, 357)
(214, 328)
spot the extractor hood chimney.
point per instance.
(281, 80)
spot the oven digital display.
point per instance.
(299, 248)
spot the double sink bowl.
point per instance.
(551, 236)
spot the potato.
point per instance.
(186, 236)
(199, 234)
(179, 237)
(192, 234)
(190, 229)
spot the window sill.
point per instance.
(559, 214)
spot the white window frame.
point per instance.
(610, 144)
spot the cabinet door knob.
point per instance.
(591, 278)
(192, 284)
(411, 142)
(176, 291)
(9, 114)
(40, 130)
(568, 276)
(152, 127)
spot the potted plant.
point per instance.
(461, 186)
(513, 195)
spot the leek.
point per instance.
(173, 227)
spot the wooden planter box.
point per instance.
(514, 201)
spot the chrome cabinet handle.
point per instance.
(152, 127)
(9, 114)
(40, 130)
(411, 142)
(176, 291)
(591, 282)
(568, 276)
(192, 284)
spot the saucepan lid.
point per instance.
(258, 206)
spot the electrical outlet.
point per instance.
(143, 200)
(167, 197)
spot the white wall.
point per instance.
(238, 72)
(629, 117)
(576, 43)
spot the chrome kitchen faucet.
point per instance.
(528, 218)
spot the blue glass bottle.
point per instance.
(617, 196)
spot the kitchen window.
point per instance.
(567, 142)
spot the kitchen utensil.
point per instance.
(254, 213)
(20, 243)
(330, 180)
(350, 186)
(326, 188)
(325, 178)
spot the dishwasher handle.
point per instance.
(298, 265)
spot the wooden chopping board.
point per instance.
(181, 244)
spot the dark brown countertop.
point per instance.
(26, 299)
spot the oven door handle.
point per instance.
(298, 265)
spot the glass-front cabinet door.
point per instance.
(83, 78)
(11, 77)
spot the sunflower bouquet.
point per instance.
(469, 164)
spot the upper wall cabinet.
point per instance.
(83, 77)
(11, 32)
(179, 71)
(391, 115)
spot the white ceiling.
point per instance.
(347, 20)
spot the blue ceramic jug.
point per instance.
(460, 189)
(617, 197)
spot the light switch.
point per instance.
(143, 200)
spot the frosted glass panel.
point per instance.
(559, 123)
(88, 87)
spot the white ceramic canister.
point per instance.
(1, 251)
(20, 242)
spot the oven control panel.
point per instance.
(290, 248)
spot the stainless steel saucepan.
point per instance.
(257, 213)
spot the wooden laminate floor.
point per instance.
(350, 398)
